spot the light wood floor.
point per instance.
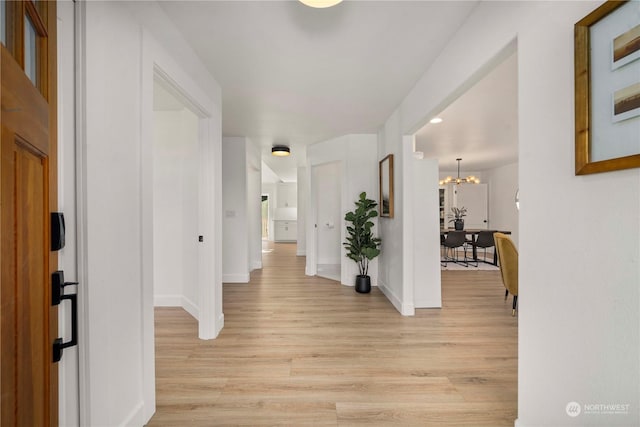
(298, 350)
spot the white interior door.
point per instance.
(474, 198)
(327, 181)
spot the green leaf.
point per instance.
(370, 253)
(361, 245)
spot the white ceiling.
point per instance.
(296, 75)
(481, 126)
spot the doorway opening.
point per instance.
(175, 203)
(265, 216)
(488, 144)
(490, 155)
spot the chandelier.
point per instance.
(457, 181)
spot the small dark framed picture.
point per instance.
(386, 187)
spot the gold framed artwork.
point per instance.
(607, 88)
(386, 187)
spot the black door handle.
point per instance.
(57, 296)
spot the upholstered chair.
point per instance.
(508, 260)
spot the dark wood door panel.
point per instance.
(23, 105)
(28, 161)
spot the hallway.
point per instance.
(298, 350)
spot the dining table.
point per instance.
(473, 232)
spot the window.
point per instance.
(30, 51)
(3, 22)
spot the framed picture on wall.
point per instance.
(607, 89)
(386, 187)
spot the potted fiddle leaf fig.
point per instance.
(361, 245)
(458, 217)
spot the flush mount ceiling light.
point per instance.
(280, 150)
(320, 4)
(435, 120)
(468, 180)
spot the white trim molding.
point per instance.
(406, 309)
(236, 278)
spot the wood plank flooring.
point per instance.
(307, 351)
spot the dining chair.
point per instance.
(452, 243)
(484, 240)
(508, 261)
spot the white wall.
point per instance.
(579, 325)
(302, 211)
(392, 257)
(422, 265)
(113, 215)
(242, 198)
(503, 184)
(327, 180)
(235, 232)
(175, 210)
(121, 46)
(254, 205)
(358, 156)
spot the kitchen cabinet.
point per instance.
(285, 231)
(287, 195)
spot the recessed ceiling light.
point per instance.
(435, 120)
(320, 4)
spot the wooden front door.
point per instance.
(28, 321)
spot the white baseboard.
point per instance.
(191, 308)
(177, 301)
(167, 300)
(149, 410)
(427, 304)
(256, 265)
(235, 278)
(406, 309)
(220, 324)
(135, 418)
(328, 260)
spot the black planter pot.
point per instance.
(363, 284)
(459, 224)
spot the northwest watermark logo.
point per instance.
(574, 409)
